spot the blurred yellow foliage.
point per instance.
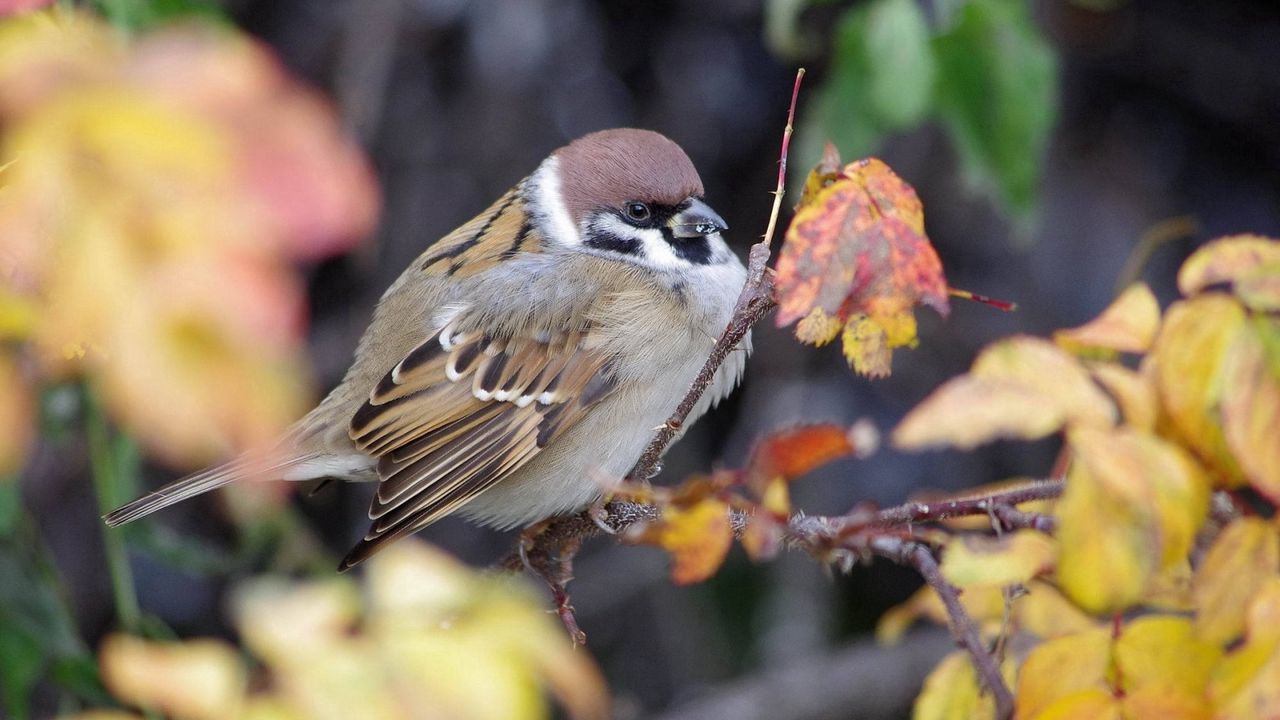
(427, 638)
(1194, 614)
(153, 195)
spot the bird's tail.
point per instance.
(193, 485)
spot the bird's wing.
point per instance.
(461, 412)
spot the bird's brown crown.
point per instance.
(611, 167)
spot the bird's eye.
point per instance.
(637, 212)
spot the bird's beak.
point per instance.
(695, 221)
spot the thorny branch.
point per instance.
(547, 550)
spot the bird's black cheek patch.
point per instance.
(696, 251)
(604, 240)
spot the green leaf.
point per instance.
(137, 15)
(881, 76)
(895, 40)
(997, 89)
(21, 663)
(36, 625)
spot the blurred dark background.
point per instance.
(1164, 110)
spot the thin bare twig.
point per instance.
(754, 302)
(959, 507)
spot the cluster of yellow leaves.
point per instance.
(696, 528)
(429, 639)
(1147, 447)
(856, 261)
(153, 192)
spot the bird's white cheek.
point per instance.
(549, 202)
(658, 253)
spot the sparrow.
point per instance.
(527, 354)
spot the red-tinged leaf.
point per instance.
(858, 253)
(17, 7)
(1249, 263)
(793, 452)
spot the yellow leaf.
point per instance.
(818, 328)
(1040, 366)
(985, 605)
(1133, 392)
(1011, 559)
(1170, 589)
(698, 539)
(1161, 655)
(1021, 388)
(866, 346)
(1246, 684)
(1190, 359)
(1128, 324)
(18, 315)
(1132, 505)
(1156, 702)
(1044, 612)
(951, 691)
(1057, 669)
(968, 411)
(776, 498)
(286, 624)
(1244, 557)
(1251, 407)
(196, 679)
(1251, 261)
(1091, 704)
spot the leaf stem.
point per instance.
(107, 479)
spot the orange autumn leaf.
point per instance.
(697, 536)
(762, 536)
(793, 452)
(1250, 264)
(1128, 325)
(856, 256)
